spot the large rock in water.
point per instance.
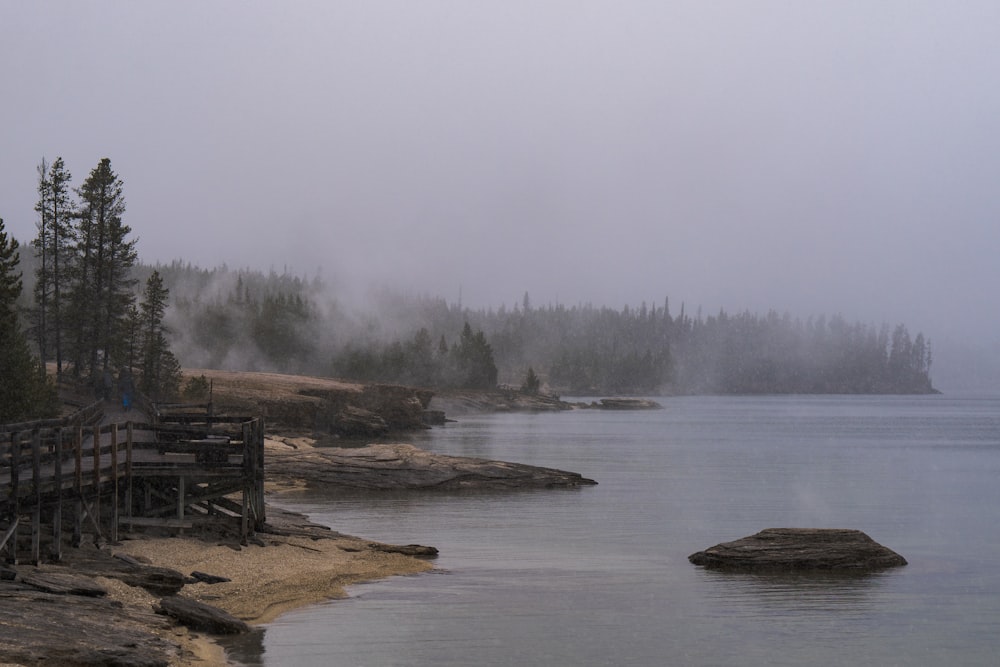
(826, 549)
(402, 466)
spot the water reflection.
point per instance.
(798, 593)
(244, 650)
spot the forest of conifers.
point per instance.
(80, 307)
(251, 320)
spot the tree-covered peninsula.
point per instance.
(257, 321)
(77, 298)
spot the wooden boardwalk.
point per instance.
(98, 471)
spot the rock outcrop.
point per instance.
(59, 615)
(322, 405)
(456, 402)
(822, 549)
(623, 404)
(400, 466)
(202, 617)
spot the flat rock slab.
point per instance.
(40, 628)
(625, 404)
(63, 584)
(401, 466)
(200, 616)
(416, 550)
(822, 549)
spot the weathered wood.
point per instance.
(78, 486)
(107, 470)
(114, 483)
(96, 514)
(827, 549)
(36, 485)
(157, 522)
(55, 553)
(11, 529)
(202, 617)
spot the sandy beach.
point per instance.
(298, 565)
(289, 563)
(274, 575)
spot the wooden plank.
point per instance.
(11, 530)
(56, 551)
(114, 483)
(15, 494)
(249, 463)
(96, 514)
(36, 483)
(129, 435)
(155, 522)
(78, 486)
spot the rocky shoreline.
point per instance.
(156, 600)
(384, 467)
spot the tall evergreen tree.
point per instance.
(160, 375)
(474, 356)
(24, 390)
(103, 286)
(53, 249)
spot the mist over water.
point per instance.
(599, 575)
(821, 158)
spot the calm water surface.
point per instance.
(599, 575)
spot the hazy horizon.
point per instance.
(811, 159)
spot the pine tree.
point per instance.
(531, 383)
(103, 287)
(53, 249)
(160, 375)
(475, 364)
(24, 390)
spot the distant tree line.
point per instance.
(468, 363)
(83, 314)
(248, 319)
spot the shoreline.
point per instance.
(288, 573)
(289, 563)
(296, 563)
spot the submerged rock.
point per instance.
(829, 549)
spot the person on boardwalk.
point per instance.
(127, 388)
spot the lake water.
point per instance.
(600, 576)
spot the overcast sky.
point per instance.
(809, 157)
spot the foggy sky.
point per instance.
(808, 157)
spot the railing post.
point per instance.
(36, 484)
(78, 485)
(96, 514)
(114, 483)
(249, 477)
(258, 443)
(15, 495)
(129, 435)
(56, 551)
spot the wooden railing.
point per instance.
(44, 464)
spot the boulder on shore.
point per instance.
(826, 549)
